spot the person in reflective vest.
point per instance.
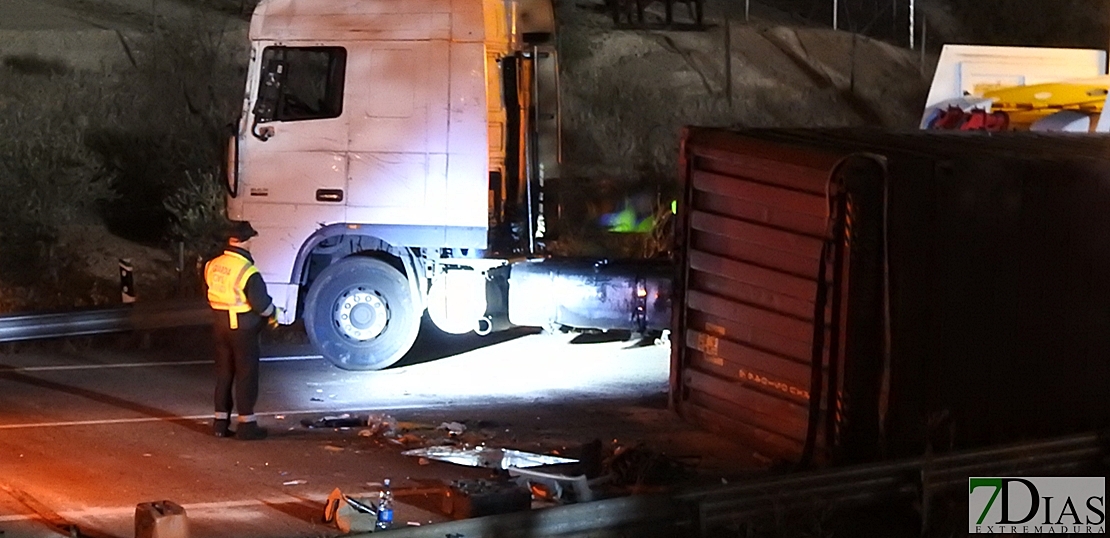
(241, 307)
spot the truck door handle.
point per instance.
(329, 195)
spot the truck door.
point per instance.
(293, 139)
(399, 110)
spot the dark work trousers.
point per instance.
(237, 362)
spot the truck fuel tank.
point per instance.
(633, 295)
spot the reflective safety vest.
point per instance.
(226, 276)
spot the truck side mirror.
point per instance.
(232, 165)
(269, 91)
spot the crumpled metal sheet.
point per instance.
(488, 457)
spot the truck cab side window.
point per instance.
(301, 83)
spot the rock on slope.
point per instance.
(626, 94)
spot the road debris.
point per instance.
(477, 498)
(409, 435)
(488, 457)
(639, 465)
(349, 514)
(409, 439)
(469, 443)
(334, 421)
(554, 486)
(294, 482)
(383, 425)
(453, 428)
(376, 425)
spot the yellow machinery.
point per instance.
(1015, 88)
(1027, 105)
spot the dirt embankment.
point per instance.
(101, 104)
(627, 93)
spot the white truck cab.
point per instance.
(391, 154)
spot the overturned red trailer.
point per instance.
(849, 295)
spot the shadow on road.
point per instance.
(6, 373)
(304, 510)
(434, 344)
(49, 518)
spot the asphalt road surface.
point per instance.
(89, 429)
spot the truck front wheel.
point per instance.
(360, 315)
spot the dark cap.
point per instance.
(241, 230)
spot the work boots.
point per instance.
(221, 427)
(250, 431)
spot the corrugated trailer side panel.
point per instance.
(974, 288)
(753, 231)
(999, 267)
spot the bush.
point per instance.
(138, 149)
(199, 214)
(49, 175)
(173, 111)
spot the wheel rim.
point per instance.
(360, 314)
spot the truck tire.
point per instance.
(359, 314)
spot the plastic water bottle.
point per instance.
(385, 507)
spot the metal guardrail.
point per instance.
(139, 316)
(916, 478)
(709, 511)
